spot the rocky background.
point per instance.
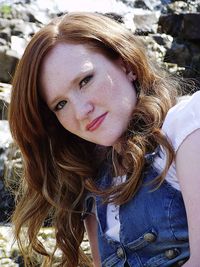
(172, 33)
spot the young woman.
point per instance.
(107, 145)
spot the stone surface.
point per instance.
(9, 252)
(179, 54)
(8, 62)
(191, 29)
(5, 91)
(170, 24)
(6, 199)
(147, 23)
(185, 26)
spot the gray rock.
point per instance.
(6, 200)
(3, 42)
(21, 28)
(163, 39)
(5, 91)
(179, 54)
(185, 26)
(191, 26)
(146, 4)
(10, 161)
(170, 24)
(18, 45)
(177, 7)
(5, 34)
(193, 69)
(4, 23)
(142, 4)
(10, 254)
(154, 49)
(146, 23)
(8, 62)
(5, 136)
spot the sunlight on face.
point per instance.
(91, 95)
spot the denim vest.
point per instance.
(153, 227)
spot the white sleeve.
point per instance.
(182, 120)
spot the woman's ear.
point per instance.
(131, 76)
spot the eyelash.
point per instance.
(64, 102)
(57, 108)
(85, 81)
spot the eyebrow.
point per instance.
(79, 76)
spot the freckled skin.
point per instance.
(107, 90)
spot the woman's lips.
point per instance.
(93, 125)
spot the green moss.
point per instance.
(5, 10)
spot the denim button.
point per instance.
(171, 253)
(120, 253)
(149, 237)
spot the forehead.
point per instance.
(63, 63)
(67, 54)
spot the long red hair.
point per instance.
(59, 167)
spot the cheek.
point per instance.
(66, 120)
(106, 88)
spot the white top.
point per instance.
(181, 120)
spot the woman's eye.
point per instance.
(85, 81)
(60, 105)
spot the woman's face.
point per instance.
(91, 95)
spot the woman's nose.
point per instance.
(82, 110)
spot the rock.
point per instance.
(7, 203)
(11, 256)
(5, 34)
(19, 28)
(191, 26)
(142, 4)
(178, 53)
(9, 250)
(193, 69)
(177, 7)
(163, 39)
(146, 4)
(6, 11)
(8, 62)
(5, 91)
(185, 48)
(5, 29)
(18, 45)
(170, 24)
(6, 199)
(157, 46)
(146, 23)
(3, 42)
(5, 141)
(115, 16)
(10, 164)
(184, 26)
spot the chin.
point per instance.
(107, 143)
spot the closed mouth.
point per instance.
(93, 125)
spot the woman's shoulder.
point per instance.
(182, 119)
